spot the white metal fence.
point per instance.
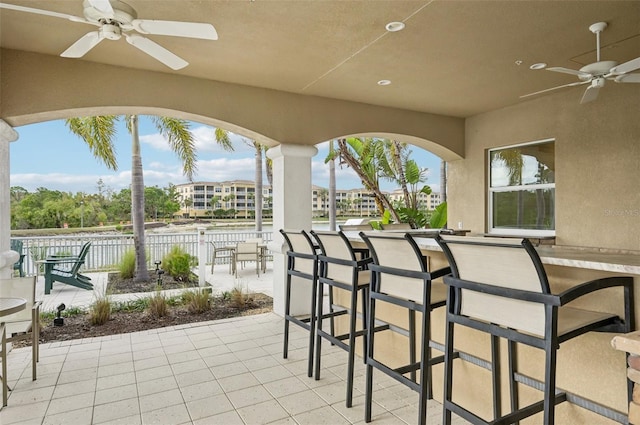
(107, 251)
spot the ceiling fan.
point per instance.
(115, 19)
(595, 74)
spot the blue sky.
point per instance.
(48, 155)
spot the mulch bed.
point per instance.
(79, 326)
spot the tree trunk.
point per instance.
(332, 190)
(258, 188)
(401, 176)
(382, 202)
(137, 204)
(443, 181)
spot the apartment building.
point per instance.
(237, 198)
(230, 199)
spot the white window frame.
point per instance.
(491, 191)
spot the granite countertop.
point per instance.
(617, 261)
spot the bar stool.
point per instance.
(339, 268)
(499, 286)
(401, 278)
(302, 262)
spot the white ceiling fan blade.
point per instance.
(83, 45)
(157, 51)
(42, 12)
(568, 71)
(629, 66)
(556, 88)
(628, 78)
(176, 29)
(590, 94)
(102, 6)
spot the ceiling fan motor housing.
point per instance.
(110, 32)
(123, 14)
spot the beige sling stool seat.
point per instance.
(500, 286)
(401, 280)
(302, 263)
(340, 269)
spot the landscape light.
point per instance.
(59, 321)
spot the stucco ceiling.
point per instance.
(457, 58)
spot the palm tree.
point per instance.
(443, 180)
(222, 137)
(213, 202)
(98, 133)
(332, 188)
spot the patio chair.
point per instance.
(401, 278)
(340, 269)
(499, 286)
(224, 251)
(66, 269)
(262, 252)
(246, 251)
(16, 245)
(24, 324)
(302, 263)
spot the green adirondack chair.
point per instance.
(16, 245)
(67, 270)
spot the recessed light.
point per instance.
(395, 26)
(539, 65)
(384, 82)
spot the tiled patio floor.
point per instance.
(221, 372)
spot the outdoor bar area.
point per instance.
(543, 210)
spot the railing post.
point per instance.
(202, 257)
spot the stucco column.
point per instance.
(7, 135)
(291, 210)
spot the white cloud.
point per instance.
(204, 138)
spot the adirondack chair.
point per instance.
(67, 270)
(16, 245)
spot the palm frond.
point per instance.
(222, 138)
(180, 140)
(98, 133)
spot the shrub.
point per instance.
(177, 263)
(196, 301)
(127, 266)
(100, 311)
(158, 306)
(239, 298)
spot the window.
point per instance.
(522, 189)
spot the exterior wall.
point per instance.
(597, 205)
(597, 164)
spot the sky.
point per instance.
(48, 155)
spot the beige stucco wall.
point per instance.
(597, 164)
(36, 87)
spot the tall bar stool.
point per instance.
(499, 286)
(302, 262)
(339, 268)
(401, 278)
